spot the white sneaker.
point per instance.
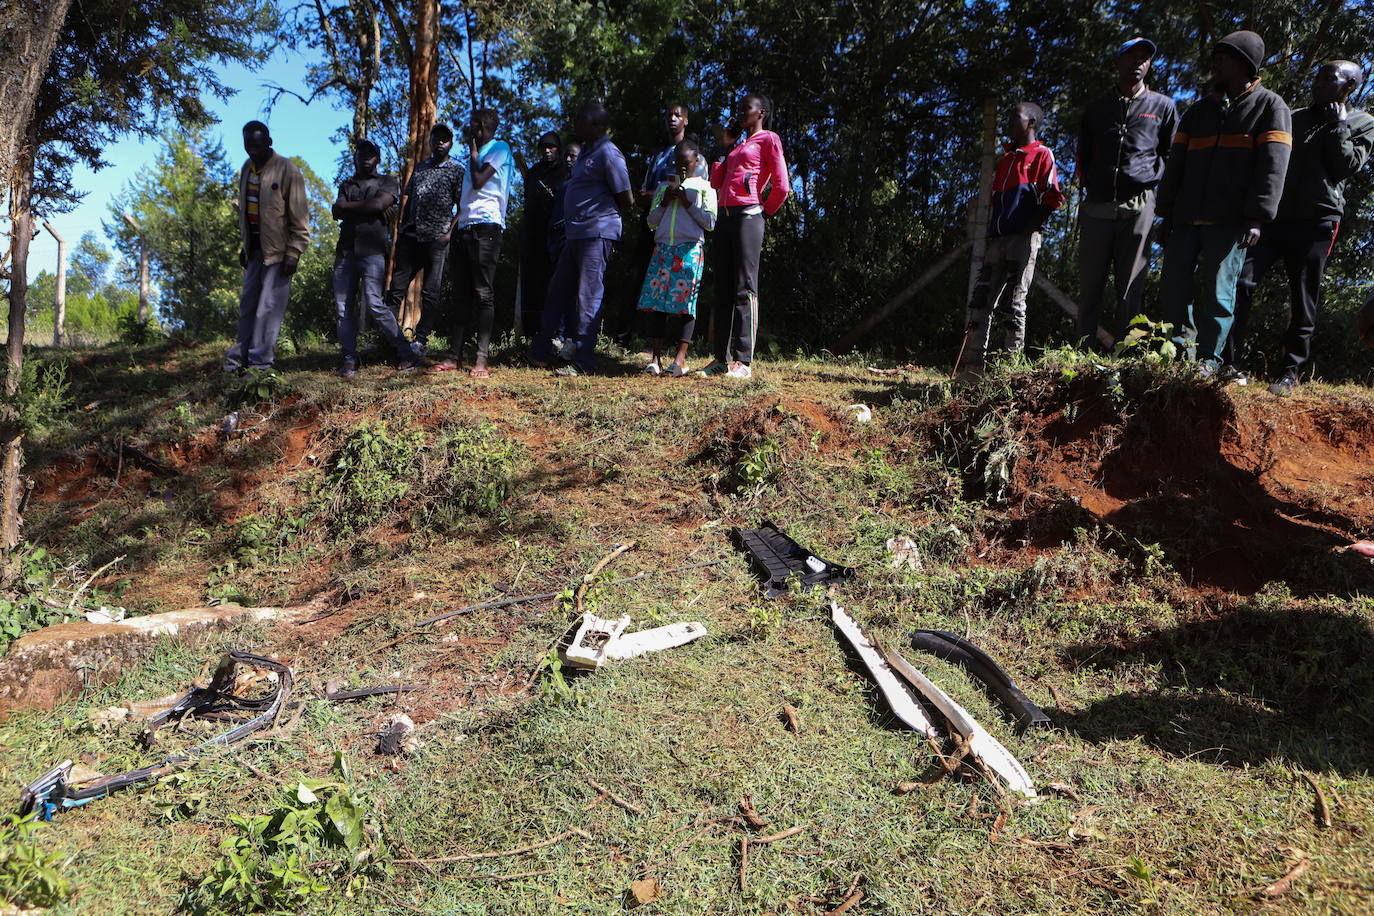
(740, 370)
(653, 369)
(677, 370)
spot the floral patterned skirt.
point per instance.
(674, 279)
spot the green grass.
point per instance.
(1183, 718)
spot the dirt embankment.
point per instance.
(1238, 491)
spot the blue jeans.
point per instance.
(1201, 316)
(575, 295)
(371, 270)
(262, 306)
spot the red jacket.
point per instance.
(1025, 190)
(754, 162)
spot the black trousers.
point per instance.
(1303, 246)
(476, 250)
(412, 256)
(738, 245)
(667, 328)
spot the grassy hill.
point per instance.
(1153, 558)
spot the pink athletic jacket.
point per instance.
(751, 165)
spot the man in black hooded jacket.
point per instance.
(1221, 189)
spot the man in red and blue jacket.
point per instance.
(1024, 192)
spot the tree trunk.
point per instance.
(982, 208)
(424, 107)
(28, 34)
(11, 428)
(59, 302)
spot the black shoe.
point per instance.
(1283, 387)
(348, 369)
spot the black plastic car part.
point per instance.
(53, 791)
(781, 560)
(978, 663)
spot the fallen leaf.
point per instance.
(644, 891)
(1064, 789)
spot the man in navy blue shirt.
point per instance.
(1123, 143)
(597, 191)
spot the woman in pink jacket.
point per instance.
(751, 182)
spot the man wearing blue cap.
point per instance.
(1123, 142)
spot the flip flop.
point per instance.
(447, 365)
(480, 372)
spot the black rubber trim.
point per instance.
(978, 663)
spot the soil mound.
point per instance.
(1237, 491)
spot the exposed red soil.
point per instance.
(1237, 491)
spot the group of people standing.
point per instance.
(1234, 186)
(1238, 184)
(452, 215)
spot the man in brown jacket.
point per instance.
(274, 230)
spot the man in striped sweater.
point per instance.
(1221, 188)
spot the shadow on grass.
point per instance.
(1251, 687)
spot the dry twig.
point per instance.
(751, 814)
(624, 803)
(780, 835)
(596, 570)
(1323, 809)
(743, 861)
(1285, 884)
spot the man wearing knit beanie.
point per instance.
(1221, 187)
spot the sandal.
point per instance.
(447, 365)
(479, 372)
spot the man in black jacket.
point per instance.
(1330, 144)
(1221, 188)
(1123, 142)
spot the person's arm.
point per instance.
(618, 180)
(773, 171)
(658, 210)
(297, 217)
(457, 207)
(1174, 169)
(1345, 149)
(1168, 126)
(701, 206)
(1083, 152)
(1046, 182)
(483, 169)
(718, 174)
(1273, 147)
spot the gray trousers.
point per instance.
(1119, 246)
(262, 306)
(1008, 267)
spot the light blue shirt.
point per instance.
(487, 204)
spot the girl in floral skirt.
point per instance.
(684, 210)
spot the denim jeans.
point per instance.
(262, 306)
(1006, 274)
(1202, 265)
(349, 270)
(575, 297)
(412, 257)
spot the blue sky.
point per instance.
(297, 130)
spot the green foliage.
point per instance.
(759, 465)
(184, 203)
(136, 333)
(317, 838)
(373, 470)
(29, 877)
(28, 606)
(1148, 340)
(474, 469)
(255, 386)
(42, 399)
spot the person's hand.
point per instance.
(1332, 112)
(444, 239)
(289, 265)
(1250, 237)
